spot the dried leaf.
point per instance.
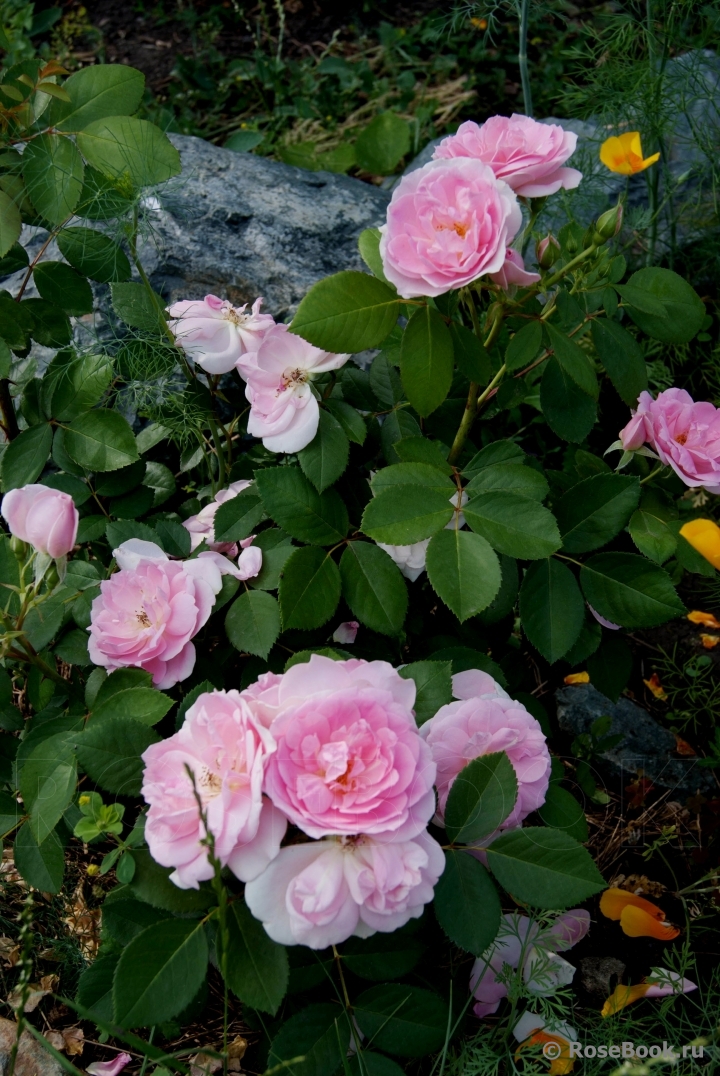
(55, 1039)
(204, 1065)
(74, 1040)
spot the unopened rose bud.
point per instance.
(547, 252)
(609, 223)
(571, 244)
(19, 548)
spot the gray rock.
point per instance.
(645, 746)
(242, 226)
(31, 1059)
(601, 974)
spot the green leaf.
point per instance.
(257, 966)
(513, 477)
(573, 361)
(252, 623)
(326, 457)
(160, 480)
(595, 510)
(433, 681)
(380, 147)
(466, 903)
(641, 300)
(414, 474)
(524, 346)
(373, 587)
(544, 867)
(123, 146)
(160, 972)
(382, 956)
(60, 284)
(403, 1020)
(53, 172)
(319, 1034)
(385, 381)
(74, 384)
(622, 357)
(426, 360)
(237, 518)
(134, 305)
(652, 536)
(110, 753)
(401, 515)
(562, 811)
(628, 590)
(347, 312)
(151, 883)
(685, 310)
(95, 983)
(94, 92)
(141, 703)
(514, 525)
(93, 254)
(586, 643)
(499, 452)
(25, 456)
(47, 785)
(352, 423)
(122, 531)
(10, 810)
(369, 248)
(101, 440)
(504, 601)
(43, 866)
(610, 667)
(397, 426)
(420, 450)
(173, 537)
(570, 413)
(277, 548)
(470, 356)
(552, 609)
(10, 223)
(464, 571)
(297, 507)
(51, 326)
(481, 797)
(125, 919)
(309, 589)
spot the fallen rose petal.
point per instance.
(346, 632)
(109, 1068)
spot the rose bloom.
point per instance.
(685, 435)
(214, 333)
(513, 273)
(480, 725)
(45, 518)
(321, 893)
(202, 525)
(528, 155)
(350, 759)
(521, 941)
(227, 750)
(147, 613)
(284, 411)
(447, 224)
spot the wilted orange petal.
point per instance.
(704, 535)
(578, 678)
(706, 619)
(614, 901)
(683, 747)
(709, 641)
(559, 1066)
(638, 923)
(622, 996)
(654, 685)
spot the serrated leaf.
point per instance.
(524, 346)
(404, 1020)
(42, 867)
(53, 172)
(433, 681)
(622, 357)
(100, 440)
(426, 360)
(257, 966)
(481, 797)
(464, 571)
(570, 412)
(629, 590)
(573, 360)
(466, 903)
(297, 507)
(544, 867)
(401, 515)
(253, 622)
(326, 457)
(373, 587)
(309, 589)
(595, 510)
(25, 456)
(514, 525)
(110, 753)
(562, 811)
(552, 610)
(347, 312)
(160, 972)
(126, 147)
(318, 1034)
(238, 517)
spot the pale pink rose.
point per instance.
(685, 435)
(214, 333)
(109, 1068)
(528, 155)
(350, 758)
(346, 633)
(321, 893)
(464, 730)
(664, 983)
(513, 273)
(448, 223)
(202, 525)
(147, 613)
(284, 411)
(45, 518)
(521, 941)
(263, 697)
(474, 683)
(227, 750)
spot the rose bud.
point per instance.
(46, 518)
(547, 252)
(609, 223)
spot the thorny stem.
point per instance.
(655, 471)
(25, 937)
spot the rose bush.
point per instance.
(302, 641)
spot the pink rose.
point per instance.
(521, 941)
(346, 633)
(147, 613)
(321, 893)
(528, 155)
(513, 273)
(202, 525)
(284, 411)
(264, 697)
(480, 725)
(685, 435)
(410, 559)
(214, 333)
(45, 518)
(350, 758)
(227, 750)
(447, 224)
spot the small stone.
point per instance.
(601, 974)
(32, 1059)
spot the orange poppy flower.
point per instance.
(639, 918)
(578, 678)
(706, 619)
(709, 641)
(622, 996)
(560, 1065)
(623, 154)
(704, 535)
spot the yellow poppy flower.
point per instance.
(623, 154)
(704, 535)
